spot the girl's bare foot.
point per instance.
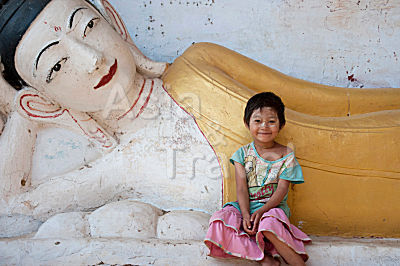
(270, 261)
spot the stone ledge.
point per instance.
(353, 251)
(117, 251)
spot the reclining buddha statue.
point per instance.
(72, 64)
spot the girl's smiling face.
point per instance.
(73, 55)
(264, 126)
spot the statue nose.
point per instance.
(94, 61)
(87, 58)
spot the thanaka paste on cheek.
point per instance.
(263, 124)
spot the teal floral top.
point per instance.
(263, 176)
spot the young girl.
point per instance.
(256, 227)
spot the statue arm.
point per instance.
(16, 145)
(17, 142)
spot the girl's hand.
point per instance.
(255, 219)
(247, 226)
(277, 197)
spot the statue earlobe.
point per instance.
(35, 106)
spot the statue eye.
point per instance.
(90, 26)
(55, 68)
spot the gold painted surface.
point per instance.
(347, 140)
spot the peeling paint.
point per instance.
(351, 78)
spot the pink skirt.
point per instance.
(226, 238)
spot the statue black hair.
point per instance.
(15, 18)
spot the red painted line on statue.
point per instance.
(28, 103)
(119, 28)
(137, 99)
(119, 21)
(57, 115)
(86, 120)
(147, 99)
(194, 119)
(35, 115)
(103, 137)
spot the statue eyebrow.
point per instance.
(44, 49)
(71, 19)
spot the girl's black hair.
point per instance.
(265, 99)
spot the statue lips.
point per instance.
(104, 80)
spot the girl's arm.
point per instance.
(243, 195)
(277, 197)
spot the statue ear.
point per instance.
(116, 21)
(37, 107)
(111, 15)
(145, 66)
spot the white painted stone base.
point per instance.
(351, 252)
(136, 233)
(107, 251)
(117, 251)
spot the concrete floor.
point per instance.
(117, 251)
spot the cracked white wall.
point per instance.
(339, 42)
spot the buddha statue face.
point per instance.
(72, 55)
